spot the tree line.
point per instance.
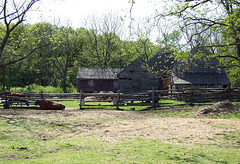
(48, 54)
(61, 51)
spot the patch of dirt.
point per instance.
(113, 125)
(219, 109)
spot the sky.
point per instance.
(73, 12)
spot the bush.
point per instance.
(46, 89)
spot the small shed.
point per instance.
(137, 77)
(97, 79)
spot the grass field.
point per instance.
(34, 136)
(127, 106)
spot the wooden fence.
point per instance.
(150, 98)
(197, 95)
(28, 99)
(99, 97)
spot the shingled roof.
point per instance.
(201, 78)
(98, 73)
(161, 61)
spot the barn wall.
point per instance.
(182, 86)
(165, 82)
(135, 78)
(97, 85)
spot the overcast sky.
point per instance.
(74, 11)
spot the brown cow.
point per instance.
(19, 97)
(16, 94)
(48, 105)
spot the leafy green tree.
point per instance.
(210, 17)
(103, 38)
(170, 40)
(64, 54)
(143, 31)
(41, 60)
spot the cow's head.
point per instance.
(39, 101)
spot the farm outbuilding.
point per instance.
(97, 79)
(162, 63)
(160, 72)
(202, 73)
(200, 80)
(137, 77)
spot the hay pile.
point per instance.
(219, 109)
(100, 98)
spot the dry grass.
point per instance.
(112, 125)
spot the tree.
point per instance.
(218, 15)
(64, 53)
(210, 17)
(144, 46)
(103, 38)
(41, 59)
(12, 15)
(168, 36)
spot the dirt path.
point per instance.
(113, 125)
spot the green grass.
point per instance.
(175, 113)
(234, 116)
(97, 105)
(137, 105)
(139, 151)
(79, 150)
(49, 139)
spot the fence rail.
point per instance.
(189, 95)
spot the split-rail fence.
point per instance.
(151, 98)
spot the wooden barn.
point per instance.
(200, 80)
(202, 74)
(137, 77)
(97, 79)
(162, 63)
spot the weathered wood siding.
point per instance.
(136, 78)
(91, 85)
(166, 81)
(97, 79)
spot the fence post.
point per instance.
(41, 95)
(191, 95)
(118, 99)
(80, 99)
(6, 105)
(153, 98)
(229, 93)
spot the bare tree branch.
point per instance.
(17, 15)
(179, 13)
